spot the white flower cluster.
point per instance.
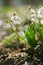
(34, 17)
(37, 14)
(40, 13)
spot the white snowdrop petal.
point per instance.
(34, 18)
(16, 20)
(41, 22)
(33, 15)
(33, 11)
(12, 18)
(40, 12)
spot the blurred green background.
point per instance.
(18, 5)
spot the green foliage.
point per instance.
(8, 39)
(40, 30)
(41, 33)
(32, 30)
(30, 35)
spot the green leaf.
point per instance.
(41, 33)
(8, 39)
(30, 35)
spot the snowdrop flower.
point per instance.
(16, 20)
(32, 11)
(40, 12)
(33, 18)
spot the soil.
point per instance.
(16, 55)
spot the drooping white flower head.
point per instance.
(16, 20)
(40, 12)
(32, 11)
(34, 18)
